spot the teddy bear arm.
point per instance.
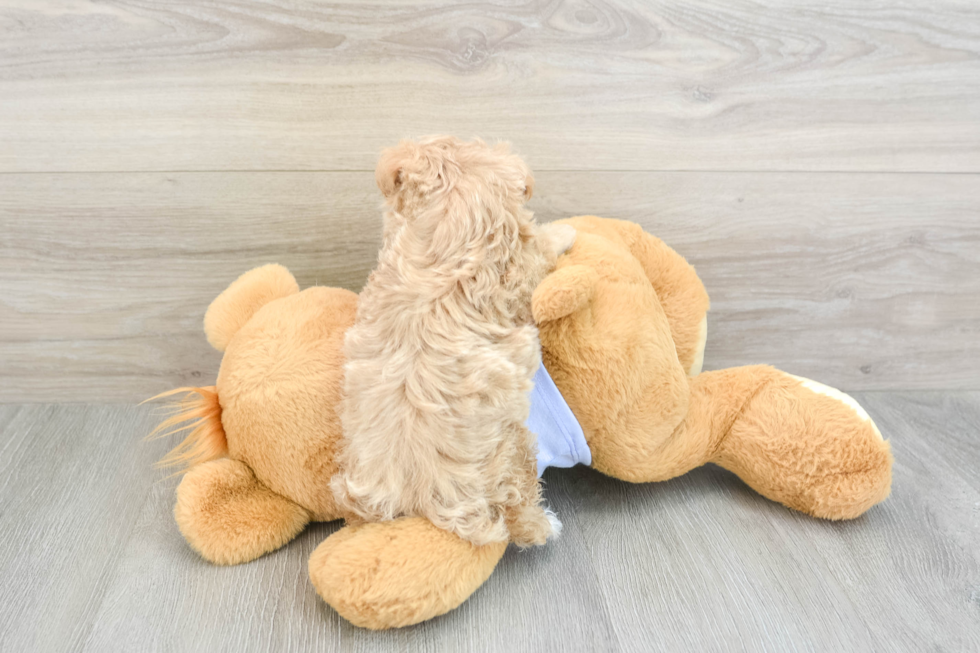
(229, 517)
(398, 573)
(681, 293)
(239, 302)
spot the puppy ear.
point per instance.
(388, 174)
(503, 148)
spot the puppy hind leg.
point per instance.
(529, 522)
(532, 525)
(475, 522)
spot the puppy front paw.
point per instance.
(560, 237)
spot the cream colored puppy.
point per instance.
(441, 355)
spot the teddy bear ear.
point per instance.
(391, 165)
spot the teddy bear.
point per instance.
(622, 323)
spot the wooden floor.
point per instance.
(92, 559)
(819, 163)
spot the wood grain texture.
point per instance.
(72, 483)
(864, 281)
(93, 561)
(253, 85)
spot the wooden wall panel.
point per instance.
(127, 85)
(864, 281)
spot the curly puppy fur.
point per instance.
(442, 352)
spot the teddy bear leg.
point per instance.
(711, 402)
(805, 445)
(792, 440)
(398, 573)
(229, 517)
(681, 293)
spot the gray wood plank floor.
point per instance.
(92, 560)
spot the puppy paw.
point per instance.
(560, 237)
(533, 526)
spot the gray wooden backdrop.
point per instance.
(818, 162)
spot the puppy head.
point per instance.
(457, 200)
(437, 162)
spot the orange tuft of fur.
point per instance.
(199, 412)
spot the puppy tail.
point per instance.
(199, 412)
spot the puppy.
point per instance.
(443, 349)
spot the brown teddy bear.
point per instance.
(622, 326)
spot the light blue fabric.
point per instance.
(561, 442)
